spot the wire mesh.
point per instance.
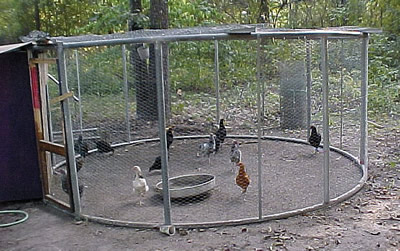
(116, 127)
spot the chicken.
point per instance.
(156, 165)
(170, 136)
(236, 154)
(207, 148)
(104, 147)
(81, 147)
(66, 187)
(139, 184)
(242, 178)
(79, 164)
(315, 138)
(220, 135)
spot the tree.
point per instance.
(158, 20)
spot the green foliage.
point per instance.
(384, 90)
(192, 63)
(16, 19)
(189, 13)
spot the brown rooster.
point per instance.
(242, 179)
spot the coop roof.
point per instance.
(12, 47)
(237, 31)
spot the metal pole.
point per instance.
(325, 96)
(259, 156)
(364, 103)
(126, 92)
(79, 91)
(309, 80)
(163, 137)
(69, 141)
(341, 95)
(216, 80)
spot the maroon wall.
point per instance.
(19, 168)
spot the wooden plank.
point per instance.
(52, 147)
(42, 61)
(43, 79)
(61, 98)
(38, 124)
(60, 203)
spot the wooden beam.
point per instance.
(42, 61)
(61, 98)
(52, 147)
(62, 204)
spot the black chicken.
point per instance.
(170, 137)
(81, 147)
(220, 135)
(156, 165)
(315, 138)
(104, 147)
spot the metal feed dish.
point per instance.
(188, 185)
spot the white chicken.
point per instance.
(236, 154)
(207, 148)
(139, 183)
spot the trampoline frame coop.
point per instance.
(58, 46)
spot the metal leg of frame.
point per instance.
(167, 228)
(79, 91)
(341, 95)
(364, 103)
(216, 80)
(259, 111)
(69, 141)
(308, 76)
(126, 94)
(325, 96)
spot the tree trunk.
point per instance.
(37, 16)
(140, 69)
(159, 20)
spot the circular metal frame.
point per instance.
(264, 218)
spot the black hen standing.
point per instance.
(156, 165)
(81, 147)
(315, 138)
(220, 135)
(170, 137)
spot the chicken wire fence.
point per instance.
(267, 91)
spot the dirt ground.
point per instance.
(368, 221)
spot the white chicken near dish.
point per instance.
(139, 183)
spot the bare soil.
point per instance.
(367, 221)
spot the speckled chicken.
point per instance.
(235, 154)
(81, 147)
(242, 178)
(66, 187)
(139, 184)
(207, 148)
(315, 138)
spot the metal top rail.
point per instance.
(224, 32)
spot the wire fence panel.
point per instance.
(238, 117)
